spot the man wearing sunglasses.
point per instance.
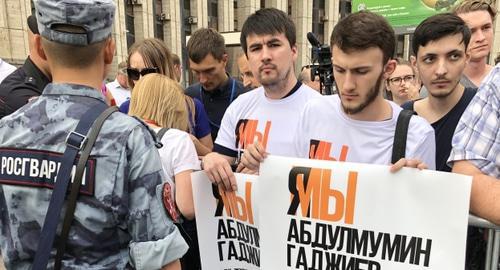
(215, 89)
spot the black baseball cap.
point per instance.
(33, 25)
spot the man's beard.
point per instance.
(370, 97)
(273, 81)
(441, 94)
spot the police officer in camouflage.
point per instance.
(119, 221)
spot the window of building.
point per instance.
(158, 26)
(318, 15)
(212, 14)
(235, 16)
(129, 23)
(186, 16)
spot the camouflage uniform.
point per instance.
(125, 210)
(120, 220)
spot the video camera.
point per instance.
(322, 65)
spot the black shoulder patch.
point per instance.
(38, 168)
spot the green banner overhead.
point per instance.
(404, 15)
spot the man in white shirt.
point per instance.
(119, 87)
(358, 125)
(5, 69)
(269, 114)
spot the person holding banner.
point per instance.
(268, 114)
(358, 125)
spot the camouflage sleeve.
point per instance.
(155, 240)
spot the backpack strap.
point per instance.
(399, 145)
(75, 141)
(161, 132)
(77, 182)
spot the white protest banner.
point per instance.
(226, 224)
(338, 215)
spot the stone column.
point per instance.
(143, 19)
(199, 11)
(280, 4)
(225, 16)
(245, 8)
(13, 30)
(172, 26)
(331, 18)
(302, 17)
(120, 33)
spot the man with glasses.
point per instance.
(401, 84)
(119, 87)
(215, 89)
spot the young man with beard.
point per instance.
(358, 125)
(269, 113)
(440, 46)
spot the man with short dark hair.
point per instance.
(440, 45)
(265, 117)
(28, 81)
(215, 89)
(119, 221)
(358, 124)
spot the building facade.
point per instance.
(174, 20)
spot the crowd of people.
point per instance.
(135, 204)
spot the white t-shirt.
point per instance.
(178, 153)
(326, 132)
(119, 93)
(5, 69)
(253, 116)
